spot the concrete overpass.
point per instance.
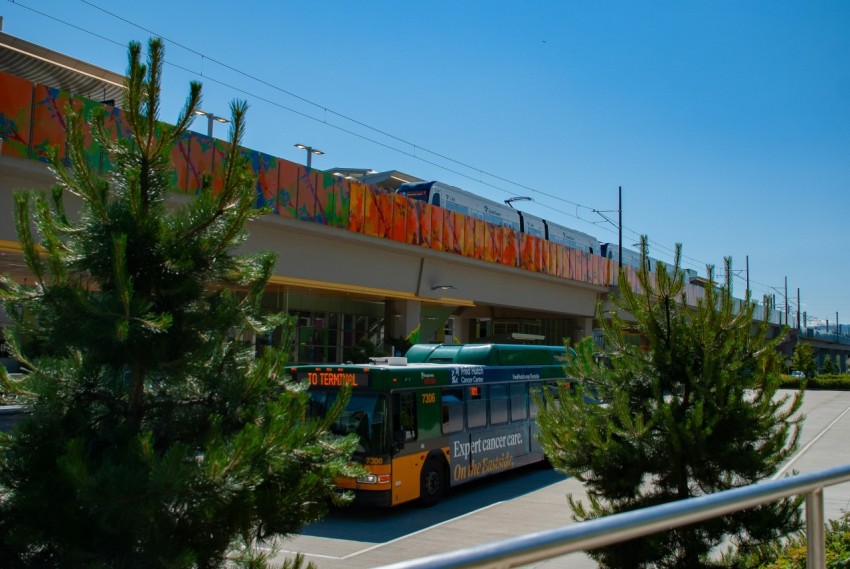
(354, 262)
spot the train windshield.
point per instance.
(364, 415)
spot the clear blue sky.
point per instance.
(727, 124)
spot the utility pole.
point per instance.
(786, 301)
(798, 310)
(747, 258)
(620, 224)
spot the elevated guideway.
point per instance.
(343, 247)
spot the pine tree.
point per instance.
(829, 365)
(691, 409)
(804, 360)
(157, 438)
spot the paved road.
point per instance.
(526, 501)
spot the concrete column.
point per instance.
(402, 318)
(587, 327)
(461, 329)
(581, 328)
(842, 361)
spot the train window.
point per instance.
(476, 407)
(490, 218)
(498, 405)
(519, 402)
(435, 198)
(452, 410)
(454, 206)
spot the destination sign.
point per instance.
(333, 378)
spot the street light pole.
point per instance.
(310, 151)
(210, 119)
(620, 225)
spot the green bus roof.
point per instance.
(486, 354)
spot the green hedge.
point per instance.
(832, 381)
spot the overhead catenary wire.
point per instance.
(415, 150)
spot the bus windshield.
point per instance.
(364, 415)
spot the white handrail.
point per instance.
(628, 525)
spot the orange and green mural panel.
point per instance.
(95, 152)
(573, 264)
(287, 183)
(413, 223)
(467, 248)
(180, 158)
(423, 214)
(50, 122)
(116, 127)
(426, 212)
(542, 253)
(437, 223)
(385, 207)
(378, 213)
(265, 169)
(33, 118)
(315, 194)
(490, 243)
(398, 231)
(509, 247)
(526, 252)
(219, 150)
(16, 96)
(357, 208)
(199, 156)
(448, 231)
(479, 232)
(306, 195)
(338, 210)
(552, 263)
(458, 225)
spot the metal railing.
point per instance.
(628, 525)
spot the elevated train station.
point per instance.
(361, 267)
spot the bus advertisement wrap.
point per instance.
(481, 454)
(442, 416)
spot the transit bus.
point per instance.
(441, 416)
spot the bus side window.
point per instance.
(535, 390)
(498, 404)
(550, 388)
(404, 416)
(476, 407)
(452, 408)
(519, 402)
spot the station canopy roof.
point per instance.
(41, 65)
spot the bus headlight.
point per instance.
(374, 479)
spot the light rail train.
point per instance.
(467, 203)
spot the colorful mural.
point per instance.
(33, 118)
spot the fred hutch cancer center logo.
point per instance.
(467, 374)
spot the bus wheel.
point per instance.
(432, 483)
